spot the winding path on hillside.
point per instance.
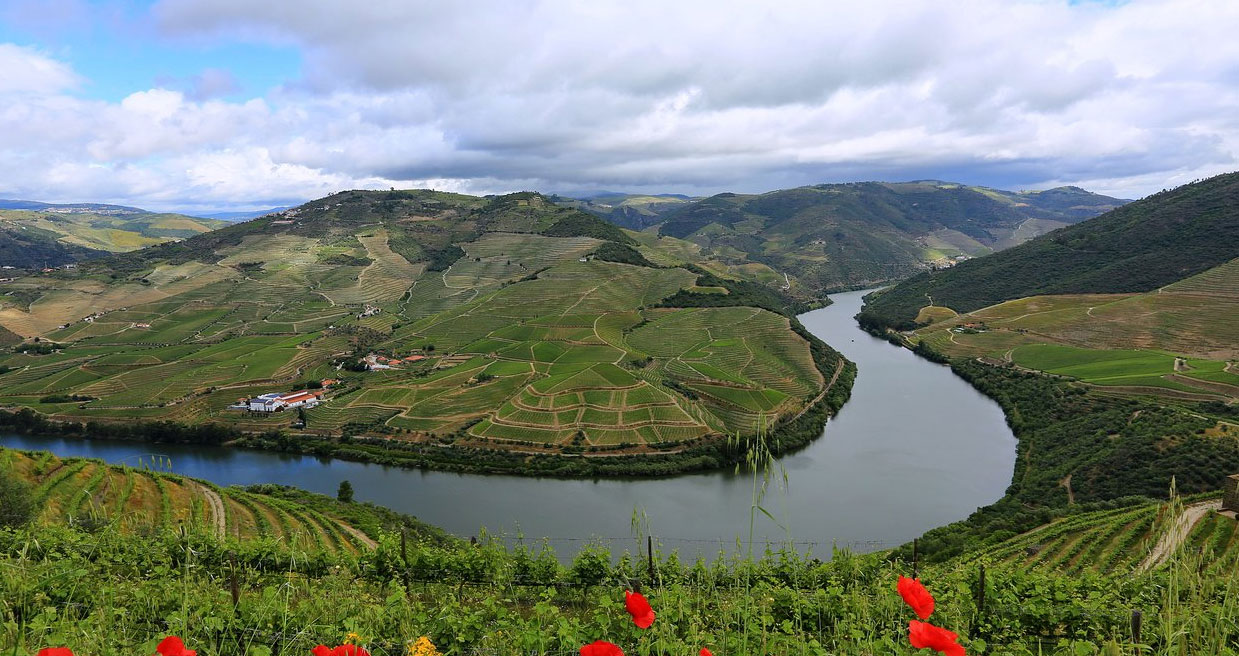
(218, 519)
(1172, 539)
(356, 533)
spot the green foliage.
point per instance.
(442, 258)
(344, 494)
(17, 504)
(227, 596)
(740, 293)
(344, 259)
(580, 224)
(622, 253)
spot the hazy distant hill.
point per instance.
(36, 235)
(835, 236)
(632, 211)
(241, 216)
(1139, 247)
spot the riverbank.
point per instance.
(915, 447)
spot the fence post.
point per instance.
(980, 602)
(649, 554)
(234, 586)
(404, 558)
(1136, 621)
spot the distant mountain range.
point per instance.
(811, 240)
(240, 216)
(836, 236)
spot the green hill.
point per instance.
(836, 236)
(38, 235)
(1139, 247)
(497, 333)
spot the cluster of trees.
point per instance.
(622, 253)
(575, 223)
(740, 293)
(344, 259)
(26, 420)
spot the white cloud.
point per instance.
(686, 96)
(26, 71)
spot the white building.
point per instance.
(274, 401)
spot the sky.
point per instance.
(215, 105)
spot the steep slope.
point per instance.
(1139, 247)
(457, 326)
(36, 235)
(28, 247)
(836, 236)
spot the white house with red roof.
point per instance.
(275, 401)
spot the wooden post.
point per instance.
(980, 601)
(1136, 621)
(916, 547)
(404, 558)
(649, 553)
(233, 584)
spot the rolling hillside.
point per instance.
(1139, 247)
(454, 324)
(36, 235)
(836, 236)
(1180, 341)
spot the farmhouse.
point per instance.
(275, 402)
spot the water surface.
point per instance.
(915, 448)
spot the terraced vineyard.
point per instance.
(1115, 542)
(1126, 342)
(506, 327)
(141, 499)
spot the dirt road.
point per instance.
(1173, 538)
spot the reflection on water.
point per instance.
(914, 448)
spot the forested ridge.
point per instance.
(1138, 247)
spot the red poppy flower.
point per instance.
(705, 652)
(923, 635)
(172, 646)
(601, 648)
(915, 595)
(639, 608)
(342, 650)
(55, 651)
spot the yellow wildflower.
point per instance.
(423, 647)
(352, 639)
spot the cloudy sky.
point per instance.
(228, 104)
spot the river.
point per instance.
(915, 448)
